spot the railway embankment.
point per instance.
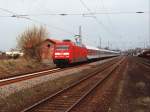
(20, 66)
(16, 96)
(125, 90)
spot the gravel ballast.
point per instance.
(16, 96)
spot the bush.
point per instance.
(30, 40)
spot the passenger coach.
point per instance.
(95, 53)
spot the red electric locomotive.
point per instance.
(68, 52)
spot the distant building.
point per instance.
(12, 53)
(47, 48)
(3, 55)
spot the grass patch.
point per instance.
(10, 68)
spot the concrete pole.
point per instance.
(80, 34)
(100, 42)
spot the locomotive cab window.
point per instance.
(62, 47)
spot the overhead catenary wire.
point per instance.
(24, 16)
(7, 11)
(91, 14)
(88, 9)
(4, 16)
(97, 20)
(75, 14)
(107, 14)
(58, 28)
(72, 14)
(109, 19)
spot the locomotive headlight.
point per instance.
(57, 53)
(66, 54)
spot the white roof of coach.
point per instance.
(91, 47)
(95, 48)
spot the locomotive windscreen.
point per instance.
(62, 47)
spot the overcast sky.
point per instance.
(122, 30)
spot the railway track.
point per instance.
(143, 62)
(67, 99)
(34, 75)
(27, 76)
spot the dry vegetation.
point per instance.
(20, 66)
(28, 42)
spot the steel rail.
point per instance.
(143, 65)
(27, 76)
(67, 88)
(95, 86)
(36, 74)
(146, 63)
(142, 62)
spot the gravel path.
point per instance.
(15, 87)
(133, 93)
(128, 90)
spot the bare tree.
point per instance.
(29, 41)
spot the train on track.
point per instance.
(145, 54)
(68, 52)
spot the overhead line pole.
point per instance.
(100, 42)
(80, 34)
(149, 25)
